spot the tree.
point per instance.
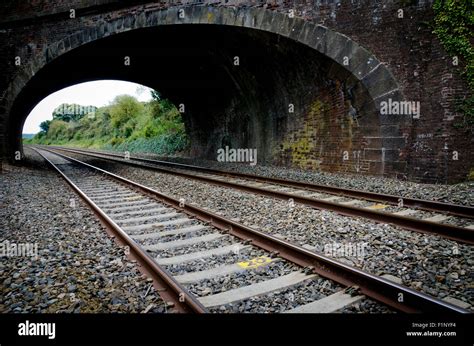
(44, 126)
(58, 130)
(124, 108)
(155, 95)
(160, 106)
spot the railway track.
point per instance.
(451, 221)
(172, 239)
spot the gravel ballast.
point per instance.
(78, 268)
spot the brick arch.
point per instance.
(365, 68)
(363, 65)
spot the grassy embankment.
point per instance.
(125, 125)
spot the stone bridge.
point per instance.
(305, 82)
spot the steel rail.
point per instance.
(459, 234)
(390, 293)
(449, 208)
(172, 291)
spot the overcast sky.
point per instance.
(98, 93)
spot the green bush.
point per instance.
(58, 130)
(123, 109)
(453, 25)
(162, 145)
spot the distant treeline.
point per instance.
(125, 125)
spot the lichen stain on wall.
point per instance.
(320, 136)
(301, 145)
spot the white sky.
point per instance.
(97, 93)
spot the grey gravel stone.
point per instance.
(72, 248)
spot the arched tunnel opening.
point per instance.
(108, 114)
(236, 87)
